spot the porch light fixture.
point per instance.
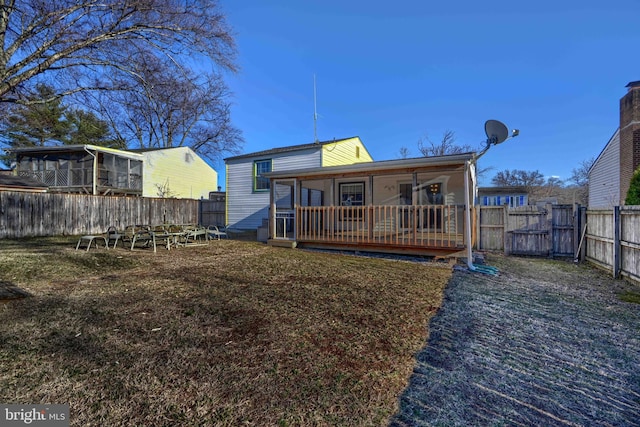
(497, 133)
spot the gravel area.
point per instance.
(544, 343)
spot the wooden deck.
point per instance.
(427, 230)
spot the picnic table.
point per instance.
(146, 236)
(89, 239)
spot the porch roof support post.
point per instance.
(332, 192)
(414, 188)
(467, 208)
(369, 220)
(94, 185)
(272, 209)
(297, 191)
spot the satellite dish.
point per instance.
(496, 131)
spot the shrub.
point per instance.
(633, 195)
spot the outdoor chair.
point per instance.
(215, 232)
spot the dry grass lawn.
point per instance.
(234, 333)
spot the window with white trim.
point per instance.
(352, 194)
(260, 167)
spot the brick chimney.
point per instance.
(629, 136)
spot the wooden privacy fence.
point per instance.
(212, 212)
(529, 230)
(53, 214)
(609, 238)
(612, 240)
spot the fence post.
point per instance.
(577, 227)
(478, 228)
(616, 242)
(549, 226)
(506, 241)
(583, 237)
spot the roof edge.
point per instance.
(416, 162)
(290, 148)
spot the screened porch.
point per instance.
(90, 171)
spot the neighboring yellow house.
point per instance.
(88, 169)
(177, 172)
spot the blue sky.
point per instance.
(393, 72)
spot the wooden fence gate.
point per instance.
(530, 230)
(212, 211)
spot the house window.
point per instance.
(485, 201)
(352, 194)
(261, 183)
(521, 201)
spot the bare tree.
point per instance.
(516, 177)
(137, 55)
(553, 187)
(580, 175)
(580, 181)
(68, 40)
(446, 146)
(165, 106)
(403, 152)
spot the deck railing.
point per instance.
(440, 226)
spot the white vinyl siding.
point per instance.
(604, 176)
(247, 208)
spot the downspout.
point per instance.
(94, 189)
(467, 203)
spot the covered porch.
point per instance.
(410, 206)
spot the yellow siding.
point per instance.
(177, 172)
(345, 152)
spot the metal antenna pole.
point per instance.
(315, 113)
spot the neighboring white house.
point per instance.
(512, 197)
(248, 191)
(610, 174)
(604, 187)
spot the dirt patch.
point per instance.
(544, 343)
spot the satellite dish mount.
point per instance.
(497, 133)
